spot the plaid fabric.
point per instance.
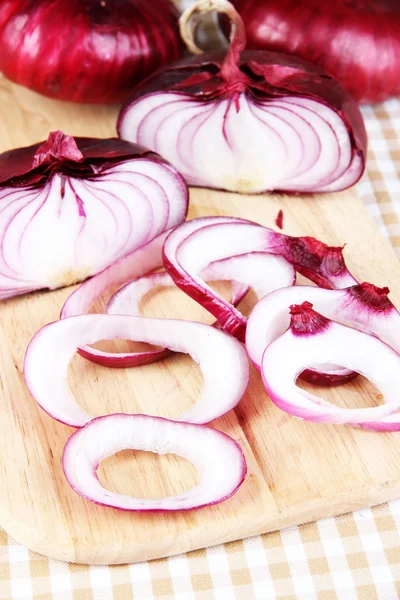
(352, 557)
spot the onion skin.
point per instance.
(243, 86)
(70, 208)
(357, 41)
(75, 157)
(91, 51)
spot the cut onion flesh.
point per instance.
(363, 306)
(259, 271)
(312, 339)
(63, 228)
(195, 244)
(280, 143)
(222, 360)
(219, 460)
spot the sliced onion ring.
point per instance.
(222, 360)
(195, 244)
(312, 339)
(219, 460)
(126, 301)
(363, 306)
(260, 271)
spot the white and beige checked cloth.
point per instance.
(352, 557)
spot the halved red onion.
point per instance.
(248, 121)
(193, 245)
(219, 460)
(221, 358)
(259, 271)
(313, 339)
(71, 207)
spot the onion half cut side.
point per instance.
(219, 460)
(313, 339)
(195, 244)
(69, 208)
(222, 360)
(247, 121)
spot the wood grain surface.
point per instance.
(298, 472)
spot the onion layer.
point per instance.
(248, 121)
(70, 208)
(313, 339)
(221, 358)
(261, 272)
(193, 245)
(218, 459)
(89, 51)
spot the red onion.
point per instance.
(91, 51)
(357, 41)
(221, 358)
(71, 207)
(219, 460)
(193, 245)
(126, 302)
(362, 306)
(260, 271)
(248, 121)
(313, 339)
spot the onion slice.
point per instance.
(262, 272)
(219, 460)
(313, 339)
(221, 358)
(195, 244)
(363, 306)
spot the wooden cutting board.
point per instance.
(298, 472)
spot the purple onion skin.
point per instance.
(357, 41)
(261, 75)
(86, 51)
(75, 157)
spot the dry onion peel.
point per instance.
(222, 360)
(313, 339)
(219, 460)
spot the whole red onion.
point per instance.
(248, 120)
(357, 41)
(86, 50)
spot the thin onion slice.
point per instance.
(363, 306)
(313, 339)
(221, 358)
(126, 301)
(262, 272)
(195, 244)
(219, 460)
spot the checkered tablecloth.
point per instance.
(352, 557)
